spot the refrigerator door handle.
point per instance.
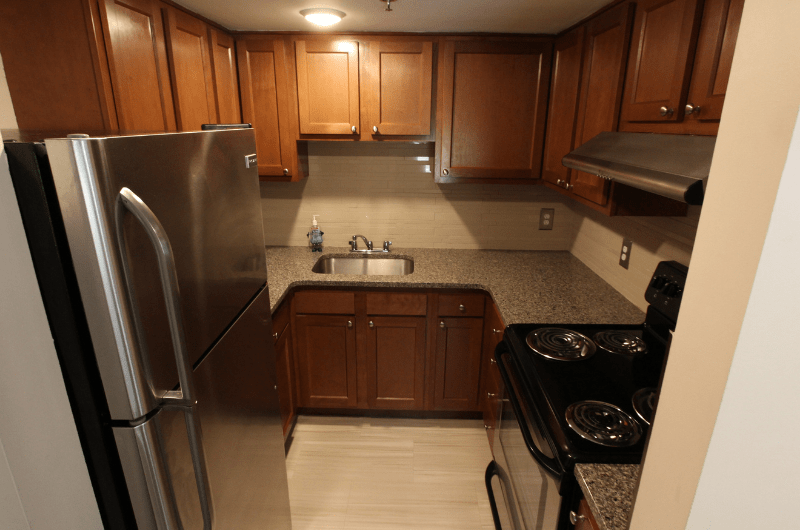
(184, 397)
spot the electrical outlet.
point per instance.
(546, 216)
(625, 253)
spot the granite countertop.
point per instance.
(609, 490)
(544, 287)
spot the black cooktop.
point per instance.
(553, 385)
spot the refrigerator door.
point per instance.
(200, 189)
(242, 433)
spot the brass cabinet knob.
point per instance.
(349, 323)
(445, 172)
(574, 518)
(285, 171)
(274, 335)
(441, 324)
(375, 129)
(462, 308)
(559, 182)
(492, 361)
(664, 111)
(489, 395)
(371, 324)
(353, 128)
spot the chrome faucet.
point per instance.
(354, 244)
(369, 249)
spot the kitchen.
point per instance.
(712, 244)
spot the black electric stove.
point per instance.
(579, 393)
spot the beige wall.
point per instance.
(37, 430)
(386, 192)
(8, 119)
(749, 160)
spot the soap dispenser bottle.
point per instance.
(315, 235)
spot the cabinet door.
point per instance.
(326, 361)
(265, 104)
(492, 109)
(458, 358)
(563, 109)
(223, 70)
(137, 58)
(327, 86)
(712, 67)
(192, 82)
(664, 38)
(490, 377)
(607, 41)
(398, 88)
(283, 364)
(396, 362)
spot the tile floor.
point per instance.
(388, 473)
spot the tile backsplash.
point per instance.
(386, 192)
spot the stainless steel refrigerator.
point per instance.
(149, 253)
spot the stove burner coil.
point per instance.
(561, 344)
(644, 404)
(603, 424)
(620, 342)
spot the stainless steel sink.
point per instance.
(365, 265)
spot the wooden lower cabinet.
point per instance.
(490, 377)
(326, 361)
(458, 363)
(586, 520)
(396, 362)
(283, 358)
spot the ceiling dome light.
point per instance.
(322, 16)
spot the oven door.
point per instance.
(525, 467)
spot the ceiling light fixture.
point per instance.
(388, 4)
(322, 16)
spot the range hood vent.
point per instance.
(672, 165)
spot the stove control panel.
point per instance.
(666, 288)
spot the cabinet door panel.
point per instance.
(607, 41)
(223, 68)
(563, 108)
(399, 88)
(712, 67)
(327, 86)
(665, 33)
(283, 363)
(192, 82)
(137, 59)
(396, 362)
(326, 361)
(458, 354)
(264, 85)
(494, 101)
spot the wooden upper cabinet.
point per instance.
(137, 58)
(607, 41)
(327, 86)
(223, 70)
(398, 77)
(712, 66)
(563, 107)
(492, 104)
(265, 104)
(191, 73)
(660, 63)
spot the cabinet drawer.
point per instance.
(461, 305)
(279, 321)
(325, 303)
(400, 304)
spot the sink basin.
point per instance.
(365, 265)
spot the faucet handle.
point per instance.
(369, 245)
(386, 246)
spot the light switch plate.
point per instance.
(625, 253)
(546, 216)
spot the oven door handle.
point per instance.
(549, 464)
(491, 470)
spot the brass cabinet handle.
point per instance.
(574, 518)
(489, 395)
(285, 171)
(441, 324)
(349, 323)
(274, 335)
(692, 109)
(353, 128)
(492, 361)
(496, 331)
(375, 129)
(445, 172)
(371, 324)
(462, 308)
(664, 111)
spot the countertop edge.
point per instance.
(609, 490)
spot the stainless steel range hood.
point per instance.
(675, 166)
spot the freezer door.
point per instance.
(198, 188)
(242, 433)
